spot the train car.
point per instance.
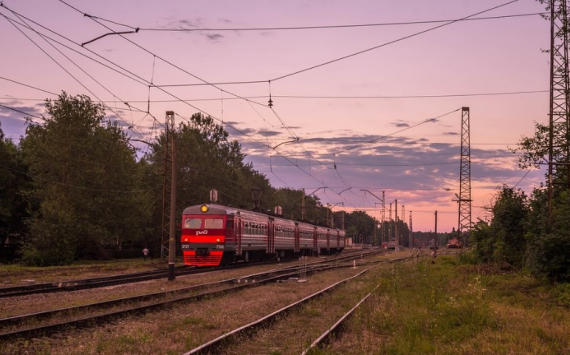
(216, 234)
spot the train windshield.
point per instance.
(209, 223)
(193, 223)
(213, 223)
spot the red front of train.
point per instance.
(204, 233)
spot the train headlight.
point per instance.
(204, 208)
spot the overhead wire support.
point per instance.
(109, 34)
(559, 123)
(464, 198)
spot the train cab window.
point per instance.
(213, 223)
(229, 224)
(192, 223)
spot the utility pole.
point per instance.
(172, 236)
(411, 234)
(403, 218)
(166, 185)
(383, 214)
(397, 235)
(390, 224)
(303, 206)
(435, 243)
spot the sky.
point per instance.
(366, 94)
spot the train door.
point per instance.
(328, 240)
(337, 240)
(297, 238)
(271, 237)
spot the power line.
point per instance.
(175, 66)
(331, 97)
(20, 111)
(388, 43)
(289, 28)
(74, 186)
(412, 96)
(375, 165)
(434, 119)
(32, 87)
(63, 68)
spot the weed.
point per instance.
(562, 292)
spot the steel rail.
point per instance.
(87, 321)
(325, 336)
(213, 345)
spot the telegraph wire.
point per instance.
(389, 43)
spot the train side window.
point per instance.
(229, 224)
(193, 223)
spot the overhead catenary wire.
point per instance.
(124, 71)
(389, 42)
(321, 27)
(332, 97)
(12, 21)
(67, 71)
(20, 111)
(177, 67)
(434, 119)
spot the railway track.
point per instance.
(44, 323)
(83, 284)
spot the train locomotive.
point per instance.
(215, 234)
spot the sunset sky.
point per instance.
(372, 89)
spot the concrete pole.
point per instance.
(172, 239)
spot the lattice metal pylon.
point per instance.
(464, 198)
(558, 145)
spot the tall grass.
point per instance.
(447, 308)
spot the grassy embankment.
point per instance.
(453, 308)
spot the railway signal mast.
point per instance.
(559, 134)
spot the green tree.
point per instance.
(13, 185)
(87, 182)
(504, 239)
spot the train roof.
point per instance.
(231, 211)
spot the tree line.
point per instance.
(75, 187)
